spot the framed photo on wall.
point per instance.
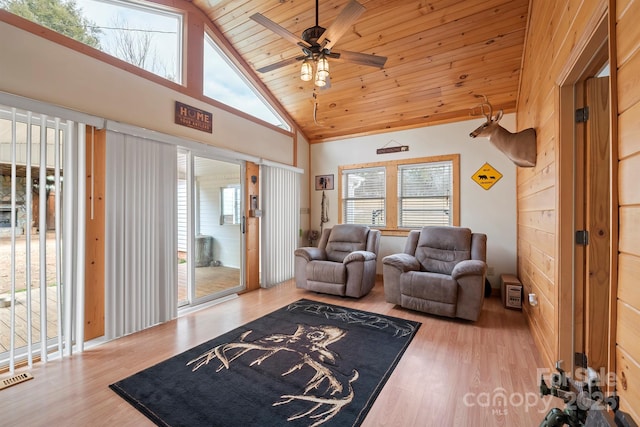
(324, 182)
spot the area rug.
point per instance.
(306, 364)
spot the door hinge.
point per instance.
(580, 360)
(582, 237)
(582, 115)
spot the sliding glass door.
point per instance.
(42, 207)
(210, 229)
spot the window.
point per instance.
(401, 195)
(225, 83)
(148, 37)
(363, 196)
(424, 194)
(230, 201)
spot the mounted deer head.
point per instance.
(519, 147)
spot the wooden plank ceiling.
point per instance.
(441, 53)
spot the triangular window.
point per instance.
(225, 83)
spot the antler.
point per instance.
(483, 105)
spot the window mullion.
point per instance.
(391, 203)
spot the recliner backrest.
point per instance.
(439, 249)
(344, 239)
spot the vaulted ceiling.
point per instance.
(441, 54)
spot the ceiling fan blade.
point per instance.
(280, 64)
(361, 58)
(281, 31)
(345, 19)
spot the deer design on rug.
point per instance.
(519, 147)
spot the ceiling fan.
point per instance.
(316, 43)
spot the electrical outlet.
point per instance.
(490, 271)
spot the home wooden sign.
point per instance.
(193, 117)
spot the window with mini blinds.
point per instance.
(401, 195)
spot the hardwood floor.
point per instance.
(454, 373)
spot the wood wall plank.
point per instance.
(628, 382)
(629, 132)
(628, 335)
(538, 201)
(628, 316)
(545, 178)
(627, 46)
(629, 83)
(544, 241)
(629, 241)
(542, 220)
(629, 177)
(628, 274)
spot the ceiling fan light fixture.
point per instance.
(321, 80)
(322, 67)
(306, 71)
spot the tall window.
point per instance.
(403, 194)
(424, 194)
(146, 36)
(363, 197)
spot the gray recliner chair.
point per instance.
(344, 263)
(442, 271)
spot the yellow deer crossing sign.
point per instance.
(486, 176)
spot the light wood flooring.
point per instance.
(454, 373)
(209, 280)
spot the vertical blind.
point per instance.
(44, 284)
(424, 194)
(141, 237)
(280, 223)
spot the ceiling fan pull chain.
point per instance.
(315, 109)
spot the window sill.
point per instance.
(392, 232)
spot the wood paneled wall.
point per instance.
(551, 42)
(553, 38)
(628, 301)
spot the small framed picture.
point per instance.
(324, 182)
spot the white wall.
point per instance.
(490, 211)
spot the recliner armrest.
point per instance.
(470, 267)
(403, 262)
(311, 253)
(359, 256)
